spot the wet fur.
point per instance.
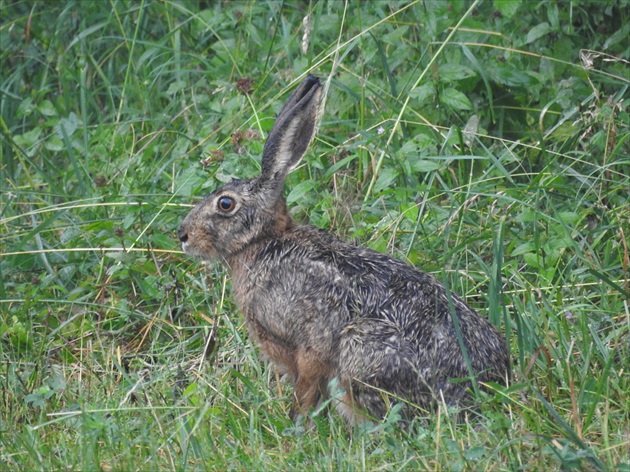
(322, 309)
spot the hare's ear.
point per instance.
(291, 134)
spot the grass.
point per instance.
(487, 143)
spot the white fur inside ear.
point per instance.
(291, 144)
(289, 141)
(292, 133)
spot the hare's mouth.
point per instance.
(184, 238)
(198, 248)
(190, 249)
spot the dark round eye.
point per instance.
(226, 204)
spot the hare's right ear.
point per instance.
(291, 134)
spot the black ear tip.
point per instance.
(311, 80)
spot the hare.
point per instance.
(328, 312)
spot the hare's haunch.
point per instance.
(322, 309)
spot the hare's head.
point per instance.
(245, 211)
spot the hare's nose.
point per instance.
(182, 234)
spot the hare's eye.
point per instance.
(226, 204)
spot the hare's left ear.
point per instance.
(291, 134)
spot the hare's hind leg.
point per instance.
(378, 367)
(310, 382)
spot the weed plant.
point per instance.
(485, 142)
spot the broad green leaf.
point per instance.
(300, 190)
(411, 212)
(409, 147)
(507, 7)
(537, 32)
(395, 35)
(54, 143)
(189, 180)
(454, 72)
(506, 74)
(46, 108)
(69, 124)
(423, 93)
(455, 99)
(181, 147)
(524, 248)
(568, 217)
(425, 165)
(29, 138)
(25, 108)
(175, 87)
(525, 216)
(532, 259)
(424, 141)
(385, 179)
(475, 452)
(621, 35)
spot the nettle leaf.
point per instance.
(69, 124)
(394, 37)
(410, 211)
(455, 99)
(188, 181)
(54, 143)
(568, 217)
(475, 453)
(537, 32)
(181, 147)
(621, 35)
(410, 153)
(507, 7)
(46, 108)
(409, 147)
(300, 190)
(26, 108)
(38, 398)
(28, 139)
(57, 382)
(422, 93)
(424, 141)
(509, 76)
(454, 72)
(385, 179)
(525, 248)
(424, 165)
(175, 87)
(533, 260)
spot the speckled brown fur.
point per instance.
(323, 310)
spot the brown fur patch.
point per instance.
(311, 382)
(281, 357)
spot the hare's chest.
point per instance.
(274, 349)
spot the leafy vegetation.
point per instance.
(486, 142)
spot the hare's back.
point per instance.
(366, 284)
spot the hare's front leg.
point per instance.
(311, 382)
